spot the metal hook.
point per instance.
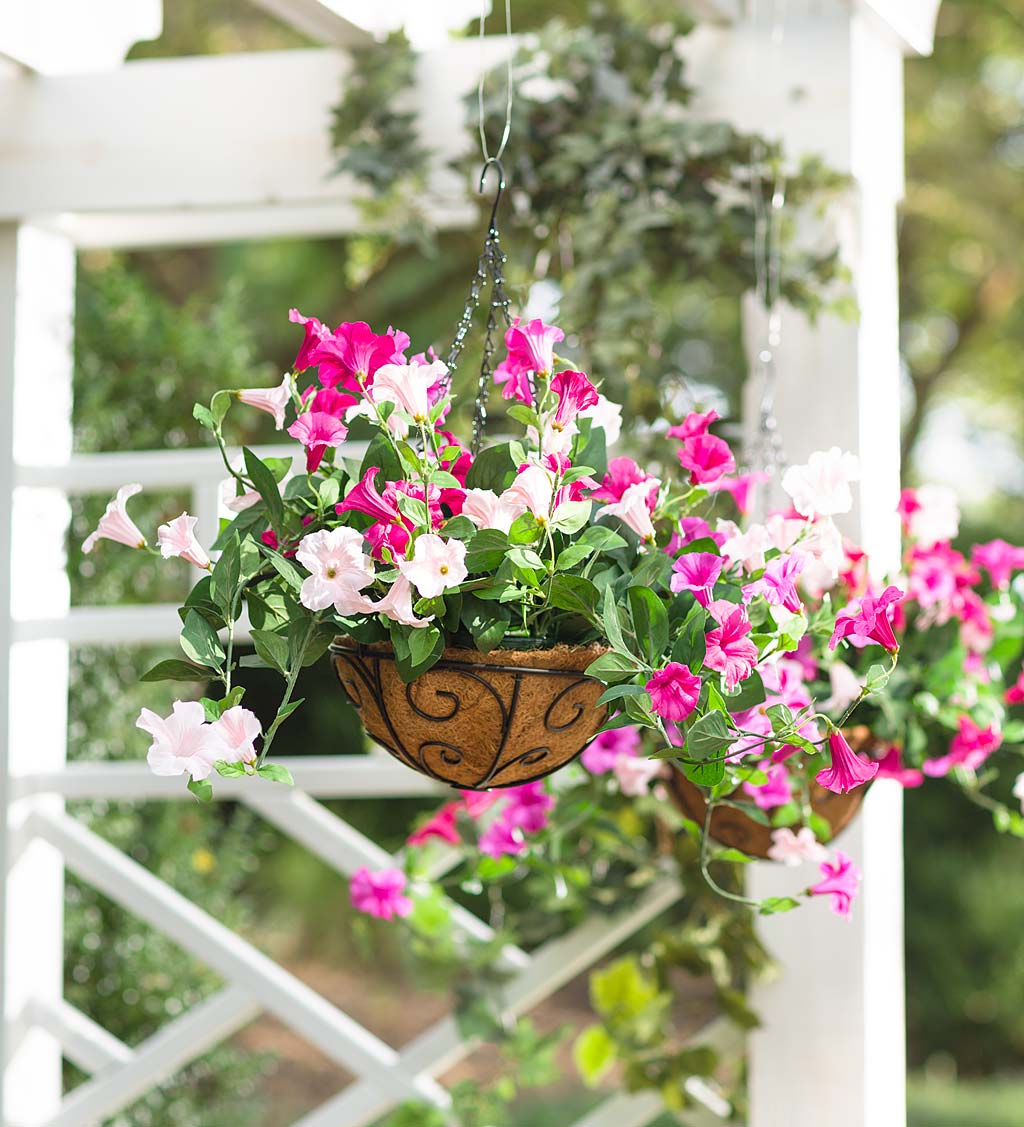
(495, 163)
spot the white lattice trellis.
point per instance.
(203, 150)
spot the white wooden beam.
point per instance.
(319, 20)
(208, 149)
(70, 37)
(831, 1049)
(37, 280)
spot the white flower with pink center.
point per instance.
(338, 571)
(237, 730)
(634, 508)
(411, 387)
(116, 524)
(436, 565)
(822, 486)
(273, 400)
(634, 774)
(487, 510)
(178, 538)
(533, 490)
(397, 605)
(794, 848)
(182, 742)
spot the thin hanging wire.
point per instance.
(489, 156)
(491, 263)
(766, 451)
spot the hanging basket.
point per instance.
(732, 827)
(477, 720)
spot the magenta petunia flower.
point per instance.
(317, 431)
(739, 487)
(729, 650)
(674, 691)
(527, 807)
(777, 791)
(316, 330)
(575, 394)
(707, 458)
(606, 747)
(380, 894)
(694, 424)
(778, 583)
(622, 473)
(351, 355)
(1015, 693)
(697, 572)
(842, 881)
(440, 825)
(847, 771)
(515, 382)
(999, 559)
(870, 622)
(502, 838)
(969, 748)
(890, 766)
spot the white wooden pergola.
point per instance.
(96, 152)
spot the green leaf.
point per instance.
(226, 575)
(265, 485)
(877, 678)
(709, 736)
(571, 516)
(526, 558)
(612, 667)
(772, 905)
(650, 623)
(485, 551)
(202, 415)
(176, 670)
(200, 642)
(602, 538)
(617, 692)
(287, 709)
(229, 770)
(486, 621)
(285, 568)
(610, 621)
(736, 856)
(708, 774)
(594, 1053)
(523, 414)
(219, 405)
(201, 788)
(576, 594)
(276, 773)
(211, 708)
(573, 555)
(329, 491)
(751, 694)
(715, 701)
(622, 991)
(493, 468)
(380, 454)
(422, 643)
(272, 648)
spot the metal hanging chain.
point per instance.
(487, 155)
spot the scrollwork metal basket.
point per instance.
(477, 720)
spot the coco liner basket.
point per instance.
(477, 720)
(731, 826)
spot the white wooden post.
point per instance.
(831, 1050)
(37, 272)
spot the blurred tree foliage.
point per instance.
(962, 309)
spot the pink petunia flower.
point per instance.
(398, 606)
(414, 388)
(793, 849)
(778, 583)
(674, 691)
(515, 382)
(930, 515)
(729, 650)
(575, 394)
(740, 487)
(890, 766)
(634, 774)
(533, 491)
(353, 353)
(999, 559)
(116, 524)
(440, 825)
(182, 742)
(436, 565)
(622, 473)
(707, 458)
(969, 748)
(178, 538)
(695, 423)
(317, 430)
(777, 791)
(822, 486)
(1015, 693)
(847, 771)
(338, 571)
(690, 529)
(531, 347)
(380, 894)
(273, 400)
(635, 506)
(237, 730)
(870, 622)
(501, 838)
(316, 331)
(842, 881)
(697, 572)
(527, 807)
(606, 747)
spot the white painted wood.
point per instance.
(319, 21)
(175, 1045)
(911, 21)
(832, 1046)
(441, 1047)
(36, 310)
(69, 37)
(325, 776)
(85, 1043)
(337, 1035)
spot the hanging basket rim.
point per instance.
(556, 659)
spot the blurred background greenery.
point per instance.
(158, 329)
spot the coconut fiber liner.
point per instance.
(477, 720)
(730, 826)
